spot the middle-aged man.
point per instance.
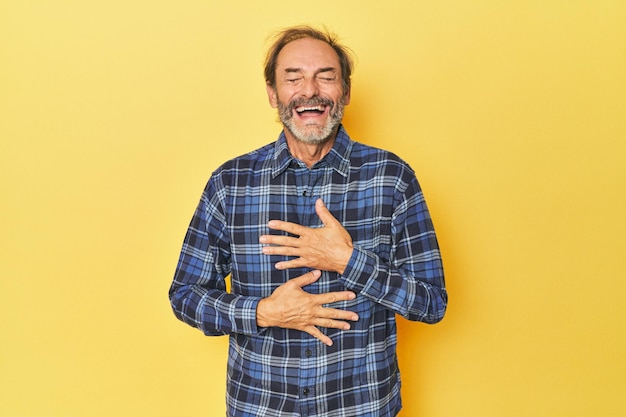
(326, 240)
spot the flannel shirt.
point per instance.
(395, 268)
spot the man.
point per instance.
(326, 240)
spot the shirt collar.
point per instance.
(338, 158)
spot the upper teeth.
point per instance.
(301, 109)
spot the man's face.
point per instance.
(309, 92)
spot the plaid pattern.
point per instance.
(395, 268)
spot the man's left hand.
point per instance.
(328, 248)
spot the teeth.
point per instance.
(318, 108)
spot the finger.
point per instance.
(308, 278)
(294, 263)
(331, 324)
(279, 250)
(316, 333)
(293, 228)
(333, 297)
(337, 316)
(279, 240)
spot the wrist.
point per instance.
(345, 261)
(261, 320)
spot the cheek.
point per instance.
(334, 93)
(285, 96)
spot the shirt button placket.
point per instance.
(309, 377)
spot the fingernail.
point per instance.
(262, 239)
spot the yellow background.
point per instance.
(114, 113)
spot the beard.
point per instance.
(311, 134)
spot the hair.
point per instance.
(291, 34)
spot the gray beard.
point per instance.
(311, 135)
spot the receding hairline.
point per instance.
(282, 37)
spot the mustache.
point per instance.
(311, 102)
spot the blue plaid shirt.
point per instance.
(395, 268)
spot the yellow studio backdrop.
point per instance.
(113, 115)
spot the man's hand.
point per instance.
(328, 248)
(291, 307)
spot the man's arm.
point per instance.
(411, 283)
(198, 292)
(199, 298)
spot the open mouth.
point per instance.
(311, 110)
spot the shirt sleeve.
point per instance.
(198, 292)
(411, 282)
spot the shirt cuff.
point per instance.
(244, 315)
(361, 270)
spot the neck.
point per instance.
(307, 152)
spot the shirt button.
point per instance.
(306, 391)
(308, 353)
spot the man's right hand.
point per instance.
(291, 307)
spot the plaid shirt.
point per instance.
(395, 268)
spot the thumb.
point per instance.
(308, 278)
(323, 213)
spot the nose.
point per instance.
(310, 88)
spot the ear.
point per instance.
(346, 95)
(271, 95)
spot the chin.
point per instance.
(313, 135)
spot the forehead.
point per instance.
(307, 54)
